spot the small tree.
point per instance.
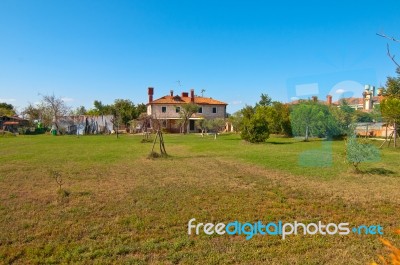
(202, 124)
(390, 108)
(80, 111)
(186, 111)
(116, 121)
(265, 100)
(53, 107)
(126, 111)
(304, 117)
(216, 125)
(236, 119)
(255, 127)
(32, 113)
(312, 118)
(358, 152)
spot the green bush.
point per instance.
(358, 151)
(255, 128)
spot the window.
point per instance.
(214, 110)
(200, 110)
(163, 109)
(178, 109)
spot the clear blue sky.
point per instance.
(235, 50)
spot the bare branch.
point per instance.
(391, 56)
(383, 35)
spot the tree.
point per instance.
(277, 116)
(141, 108)
(344, 117)
(80, 111)
(312, 118)
(54, 107)
(362, 116)
(202, 124)
(32, 113)
(281, 121)
(388, 47)
(358, 152)
(376, 114)
(393, 85)
(390, 108)
(239, 117)
(236, 119)
(255, 125)
(100, 109)
(186, 111)
(303, 118)
(6, 109)
(124, 110)
(215, 125)
(264, 101)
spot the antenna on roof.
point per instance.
(202, 91)
(179, 83)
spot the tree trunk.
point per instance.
(306, 134)
(387, 131)
(395, 134)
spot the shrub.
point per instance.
(358, 152)
(255, 129)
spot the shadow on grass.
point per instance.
(274, 142)
(379, 171)
(191, 156)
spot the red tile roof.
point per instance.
(359, 101)
(352, 101)
(183, 100)
(11, 123)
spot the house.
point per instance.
(371, 97)
(12, 124)
(167, 109)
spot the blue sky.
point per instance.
(235, 50)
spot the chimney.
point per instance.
(314, 98)
(329, 99)
(150, 92)
(185, 94)
(171, 93)
(192, 95)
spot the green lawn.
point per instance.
(126, 209)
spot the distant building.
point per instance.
(370, 98)
(167, 109)
(373, 129)
(12, 124)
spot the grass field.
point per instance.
(123, 208)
